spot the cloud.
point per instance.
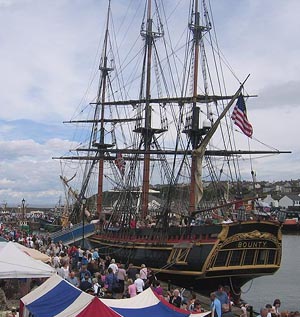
(49, 57)
(283, 94)
(30, 171)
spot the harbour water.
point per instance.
(284, 284)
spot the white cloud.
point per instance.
(49, 56)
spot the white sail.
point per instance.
(200, 151)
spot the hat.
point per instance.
(143, 265)
(113, 261)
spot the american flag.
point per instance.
(120, 163)
(239, 117)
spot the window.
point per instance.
(249, 257)
(221, 258)
(261, 258)
(236, 257)
(271, 258)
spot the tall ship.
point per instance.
(163, 154)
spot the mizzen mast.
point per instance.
(194, 132)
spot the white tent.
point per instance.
(14, 263)
(37, 255)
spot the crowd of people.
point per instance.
(103, 276)
(274, 311)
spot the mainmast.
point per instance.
(147, 131)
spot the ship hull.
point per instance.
(200, 257)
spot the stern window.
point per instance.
(236, 257)
(249, 257)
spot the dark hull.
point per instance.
(48, 226)
(199, 257)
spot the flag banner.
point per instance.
(239, 117)
(120, 163)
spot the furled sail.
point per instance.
(200, 151)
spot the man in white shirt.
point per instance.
(113, 266)
(139, 284)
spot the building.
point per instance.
(290, 200)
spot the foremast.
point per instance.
(99, 141)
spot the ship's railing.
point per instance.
(76, 233)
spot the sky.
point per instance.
(48, 59)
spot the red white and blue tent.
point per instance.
(58, 298)
(147, 304)
(55, 297)
(97, 308)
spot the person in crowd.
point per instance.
(244, 310)
(84, 259)
(275, 308)
(74, 256)
(175, 299)
(228, 292)
(139, 283)
(190, 305)
(80, 254)
(132, 271)
(215, 306)
(144, 273)
(72, 278)
(197, 307)
(225, 302)
(65, 269)
(96, 286)
(122, 276)
(96, 255)
(107, 261)
(56, 261)
(3, 299)
(222, 295)
(83, 271)
(263, 312)
(86, 284)
(110, 282)
(269, 308)
(184, 298)
(151, 278)
(157, 289)
(113, 266)
(131, 288)
(93, 267)
(294, 313)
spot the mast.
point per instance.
(100, 102)
(195, 28)
(147, 131)
(147, 134)
(194, 131)
(195, 83)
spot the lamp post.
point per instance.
(83, 202)
(23, 209)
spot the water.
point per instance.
(284, 284)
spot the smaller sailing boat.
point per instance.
(163, 154)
